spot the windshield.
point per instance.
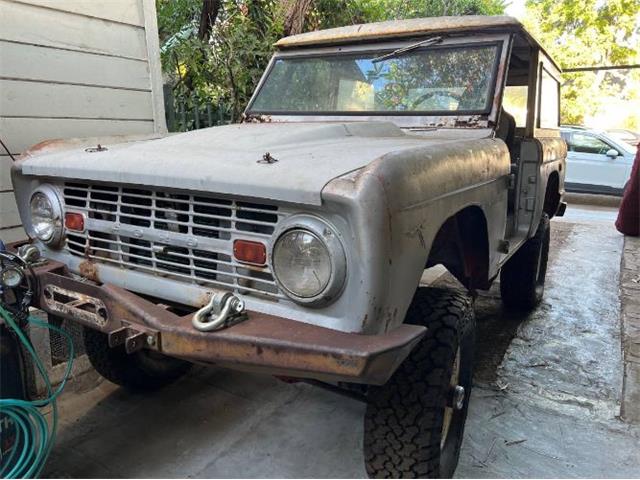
(435, 80)
(625, 147)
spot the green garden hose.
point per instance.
(34, 436)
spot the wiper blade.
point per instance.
(408, 48)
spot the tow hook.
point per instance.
(223, 309)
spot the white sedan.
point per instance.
(596, 162)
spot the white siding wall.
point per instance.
(74, 68)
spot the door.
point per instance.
(589, 164)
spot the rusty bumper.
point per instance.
(262, 342)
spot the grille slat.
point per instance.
(172, 234)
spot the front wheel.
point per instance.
(414, 423)
(138, 371)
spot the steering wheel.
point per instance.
(427, 95)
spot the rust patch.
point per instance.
(89, 271)
(257, 119)
(91, 311)
(471, 122)
(45, 146)
(402, 28)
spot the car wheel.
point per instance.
(139, 371)
(414, 423)
(522, 278)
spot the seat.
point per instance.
(506, 128)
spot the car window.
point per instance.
(583, 143)
(549, 107)
(515, 102)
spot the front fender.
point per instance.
(399, 202)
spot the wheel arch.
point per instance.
(552, 195)
(462, 246)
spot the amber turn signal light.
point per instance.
(74, 221)
(250, 252)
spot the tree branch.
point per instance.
(208, 15)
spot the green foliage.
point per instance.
(337, 13)
(589, 33)
(226, 67)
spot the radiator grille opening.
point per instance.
(179, 235)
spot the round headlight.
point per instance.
(308, 260)
(302, 263)
(46, 215)
(11, 277)
(42, 216)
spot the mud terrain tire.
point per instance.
(522, 277)
(403, 427)
(140, 371)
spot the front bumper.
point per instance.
(266, 343)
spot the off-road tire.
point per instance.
(139, 371)
(522, 278)
(403, 425)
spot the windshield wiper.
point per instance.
(408, 48)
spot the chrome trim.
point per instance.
(58, 220)
(327, 234)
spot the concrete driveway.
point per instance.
(545, 404)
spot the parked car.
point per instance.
(596, 162)
(627, 136)
(294, 243)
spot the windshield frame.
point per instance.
(500, 42)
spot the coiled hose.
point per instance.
(34, 436)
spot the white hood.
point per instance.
(226, 159)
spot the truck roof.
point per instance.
(409, 28)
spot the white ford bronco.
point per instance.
(294, 242)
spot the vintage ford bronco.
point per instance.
(294, 243)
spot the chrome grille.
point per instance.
(185, 236)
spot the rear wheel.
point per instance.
(142, 370)
(415, 422)
(523, 276)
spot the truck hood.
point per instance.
(229, 159)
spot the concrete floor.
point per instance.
(545, 403)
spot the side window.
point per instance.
(515, 102)
(583, 143)
(549, 103)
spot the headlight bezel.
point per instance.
(328, 235)
(52, 196)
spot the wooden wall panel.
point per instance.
(43, 100)
(52, 65)
(5, 173)
(8, 210)
(23, 23)
(123, 11)
(13, 234)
